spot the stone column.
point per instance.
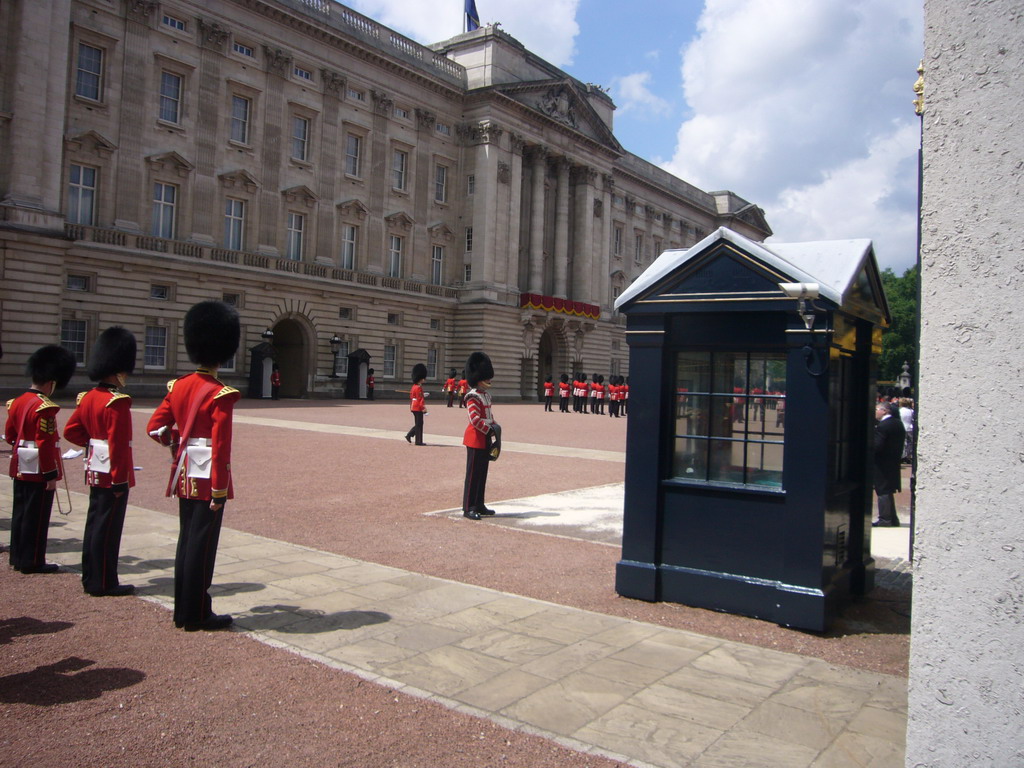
(603, 279)
(32, 181)
(206, 206)
(485, 207)
(515, 212)
(327, 250)
(584, 261)
(379, 183)
(272, 215)
(539, 165)
(562, 166)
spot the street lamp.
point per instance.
(268, 335)
(335, 343)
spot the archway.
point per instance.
(292, 357)
(551, 358)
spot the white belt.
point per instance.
(203, 441)
(96, 441)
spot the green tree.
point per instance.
(899, 341)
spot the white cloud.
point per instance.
(546, 27)
(632, 92)
(803, 106)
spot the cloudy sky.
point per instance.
(801, 106)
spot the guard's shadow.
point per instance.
(165, 586)
(26, 625)
(304, 621)
(53, 684)
(525, 515)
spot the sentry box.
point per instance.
(748, 450)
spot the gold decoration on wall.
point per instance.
(919, 90)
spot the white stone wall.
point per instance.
(967, 642)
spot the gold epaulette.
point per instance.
(115, 396)
(9, 402)
(78, 400)
(170, 384)
(46, 404)
(225, 391)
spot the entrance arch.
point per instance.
(291, 343)
(551, 357)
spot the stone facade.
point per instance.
(329, 176)
(966, 663)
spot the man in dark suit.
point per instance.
(889, 438)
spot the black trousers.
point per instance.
(547, 402)
(30, 522)
(887, 510)
(101, 542)
(417, 427)
(198, 534)
(477, 464)
(563, 404)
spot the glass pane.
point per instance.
(693, 371)
(764, 464)
(690, 459)
(692, 415)
(726, 462)
(726, 417)
(730, 372)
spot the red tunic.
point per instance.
(211, 429)
(480, 420)
(104, 414)
(549, 389)
(32, 417)
(563, 389)
(416, 397)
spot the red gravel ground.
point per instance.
(154, 696)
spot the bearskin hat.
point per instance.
(478, 368)
(564, 377)
(51, 363)
(453, 373)
(113, 352)
(419, 372)
(212, 331)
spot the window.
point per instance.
(78, 283)
(349, 241)
(437, 265)
(344, 313)
(72, 337)
(245, 50)
(341, 359)
(729, 425)
(165, 197)
(390, 358)
(435, 324)
(467, 272)
(356, 95)
(232, 299)
(234, 224)
(82, 195)
(155, 355)
(469, 239)
(302, 73)
(443, 128)
(402, 113)
(638, 248)
(394, 318)
(173, 23)
(300, 138)
(657, 247)
(160, 292)
(471, 184)
(617, 241)
(241, 111)
(296, 226)
(89, 72)
(431, 364)
(170, 97)
(399, 168)
(353, 151)
(441, 183)
(394, 256)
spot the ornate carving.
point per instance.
(649, 211)
(334, 82)
(919, 90)
(382, 103)
(279, 62)
(557, 104)
(212, 35)
(425, 119)
(504, 172)
(537, 153)
(630, 203)
(517, 142)
(598, 209)
(142, 7)
(609, 182)
(584, 174)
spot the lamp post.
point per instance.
(268, 335)
(335, 343)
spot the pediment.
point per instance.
(752, 216)
(170, 162)
(440, 231)
(562, 102)
(300, 194)
(722, 272)
(400, 219)
(354, 208)
(239, 179)
(91, 142)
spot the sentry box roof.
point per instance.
(727, 267)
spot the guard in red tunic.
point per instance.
(549, 393)
(102, 422)
(463, 388)
(417, 403)
(482, 437)
(563, 393)
(194, 419)
(35, 461)
(449, 387)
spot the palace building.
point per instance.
(363, 200)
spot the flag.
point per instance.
(472, 17)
